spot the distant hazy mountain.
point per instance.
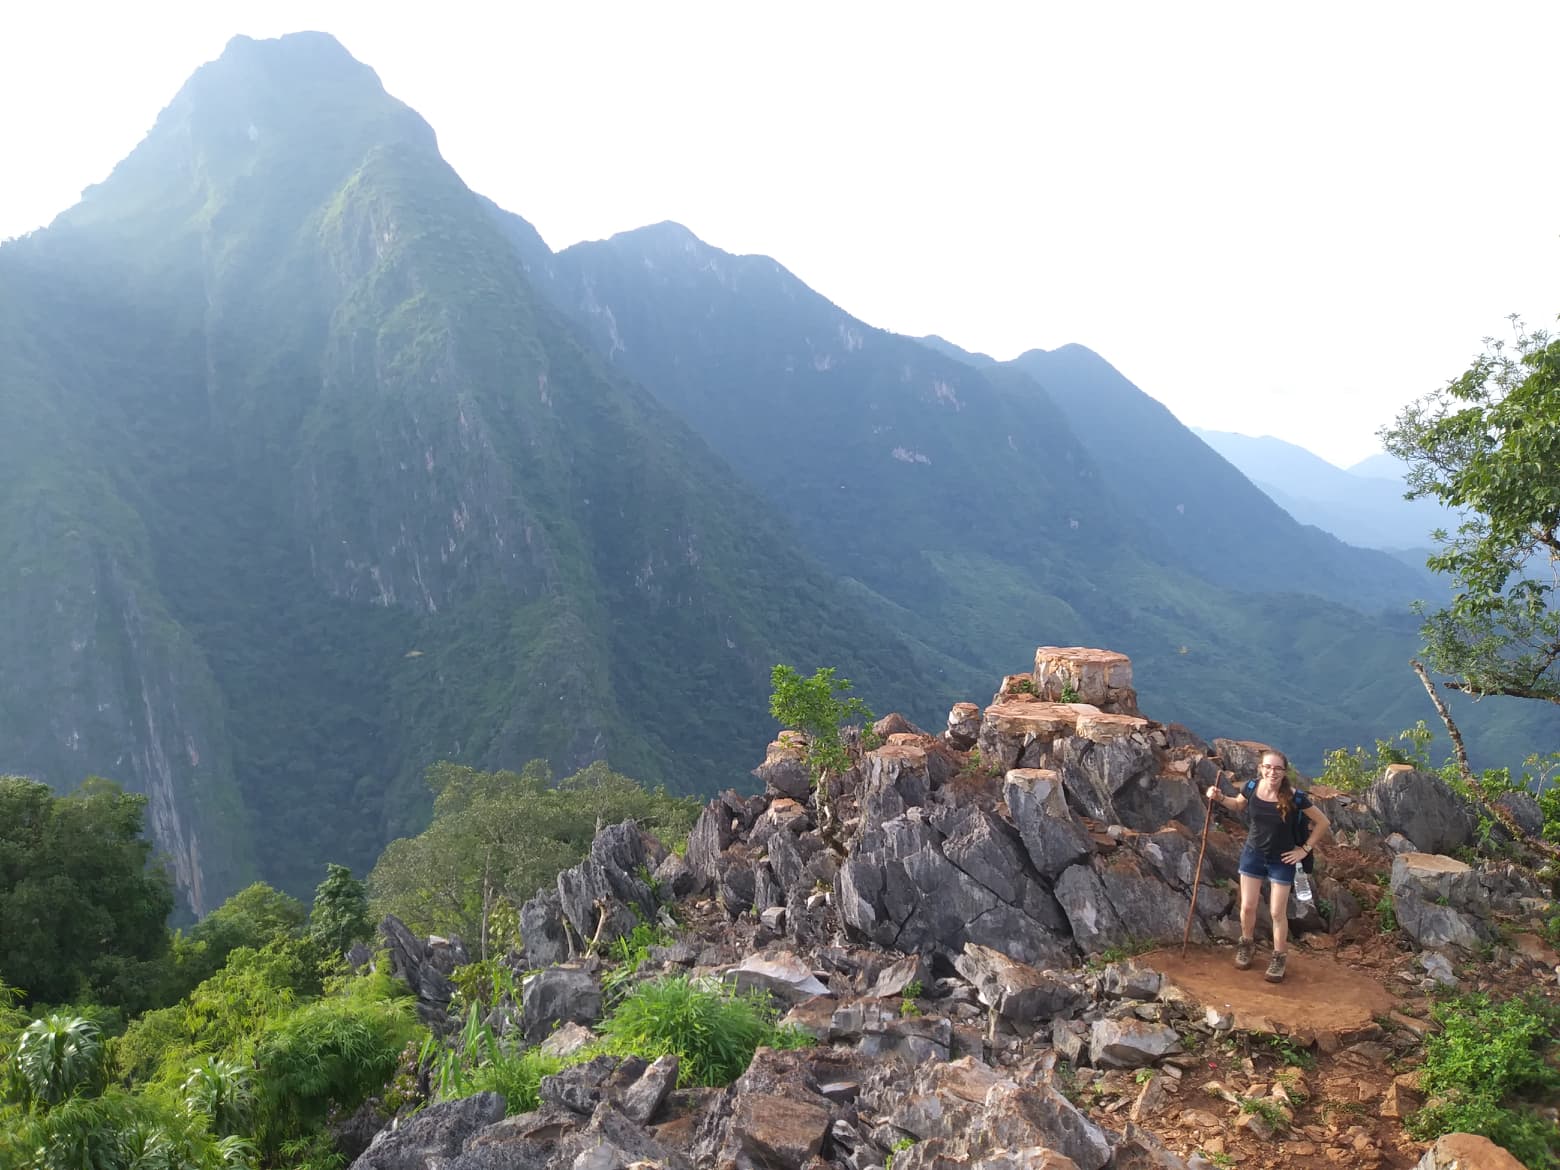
(1363, 506)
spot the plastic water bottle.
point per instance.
(1303, 887)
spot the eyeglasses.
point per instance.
(1272, 768)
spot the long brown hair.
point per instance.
(1286, 791)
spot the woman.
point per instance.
(1273, 849)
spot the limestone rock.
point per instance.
(1099, 677)
(1098, 778)
(1129, 1043)
(1423, 808)
(1017, 1118)
(439, 1131)
(784, 770)
(1241, 756)
(895, 780)
(1052, 835)
(543, 929)
(557, 995)
(608, 885)
(963, 726)
(644, 1097)
(1014, 990)
(674, 880)
(781, 974)
(708, 838)
(425, 965)
(567, 1040)
(1466, 1151)
(1439, 901)
(1018, 732)
(580, 1087)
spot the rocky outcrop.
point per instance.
(1439, 901)
(438, 1132)
(936, 961)
(605, 895)
(425, 965)
(1423, 808)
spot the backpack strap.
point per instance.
(1249, 788)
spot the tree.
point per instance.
(82, 912)
(1488, 445)
(819, 709)
(339, 917)
(498, 837)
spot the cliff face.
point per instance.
(305, 491)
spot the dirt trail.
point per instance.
(1319, 994)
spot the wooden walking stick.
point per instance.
(1186, 935)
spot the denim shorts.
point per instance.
(1254, 864)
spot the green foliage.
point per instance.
(1482, 1069)
(82, 911)
(1269, 1111)
(117, 1131)
(484, 984)
(254, 917)
(477, 1060)
(1488, 446)
(631, 953)
(1069, 693)
(1285, 1048)
(327, 1055)
(712, 1030)
(819, 708)
(1386, 914)
(516, 1077)
(498, 837)
(339, 916)
(57, 1057)
(1356, 771)
(220, 1091)
(914, 990)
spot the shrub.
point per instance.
(517, 1078)
(331, 1054)
(712, 1030)
(1479, 1068)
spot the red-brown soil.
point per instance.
(1319, 993)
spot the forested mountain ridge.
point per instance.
(321, 468)
(312, 492)
(990, 509)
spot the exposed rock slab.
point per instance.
(440, 1131)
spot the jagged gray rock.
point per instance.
(1129, 1043)
(1019, 1118)
(423, 967)
(1014, 990)
(899, 890)
(559, 995)
(1423, 808)
(543, 929)
(1052, 835)
(607, 894)
(640, 1101)
(439, 1131)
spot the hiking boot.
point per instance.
(1275, 971)
(1243, 951)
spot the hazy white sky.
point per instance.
(1280, 219)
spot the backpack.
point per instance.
(1297, 825)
